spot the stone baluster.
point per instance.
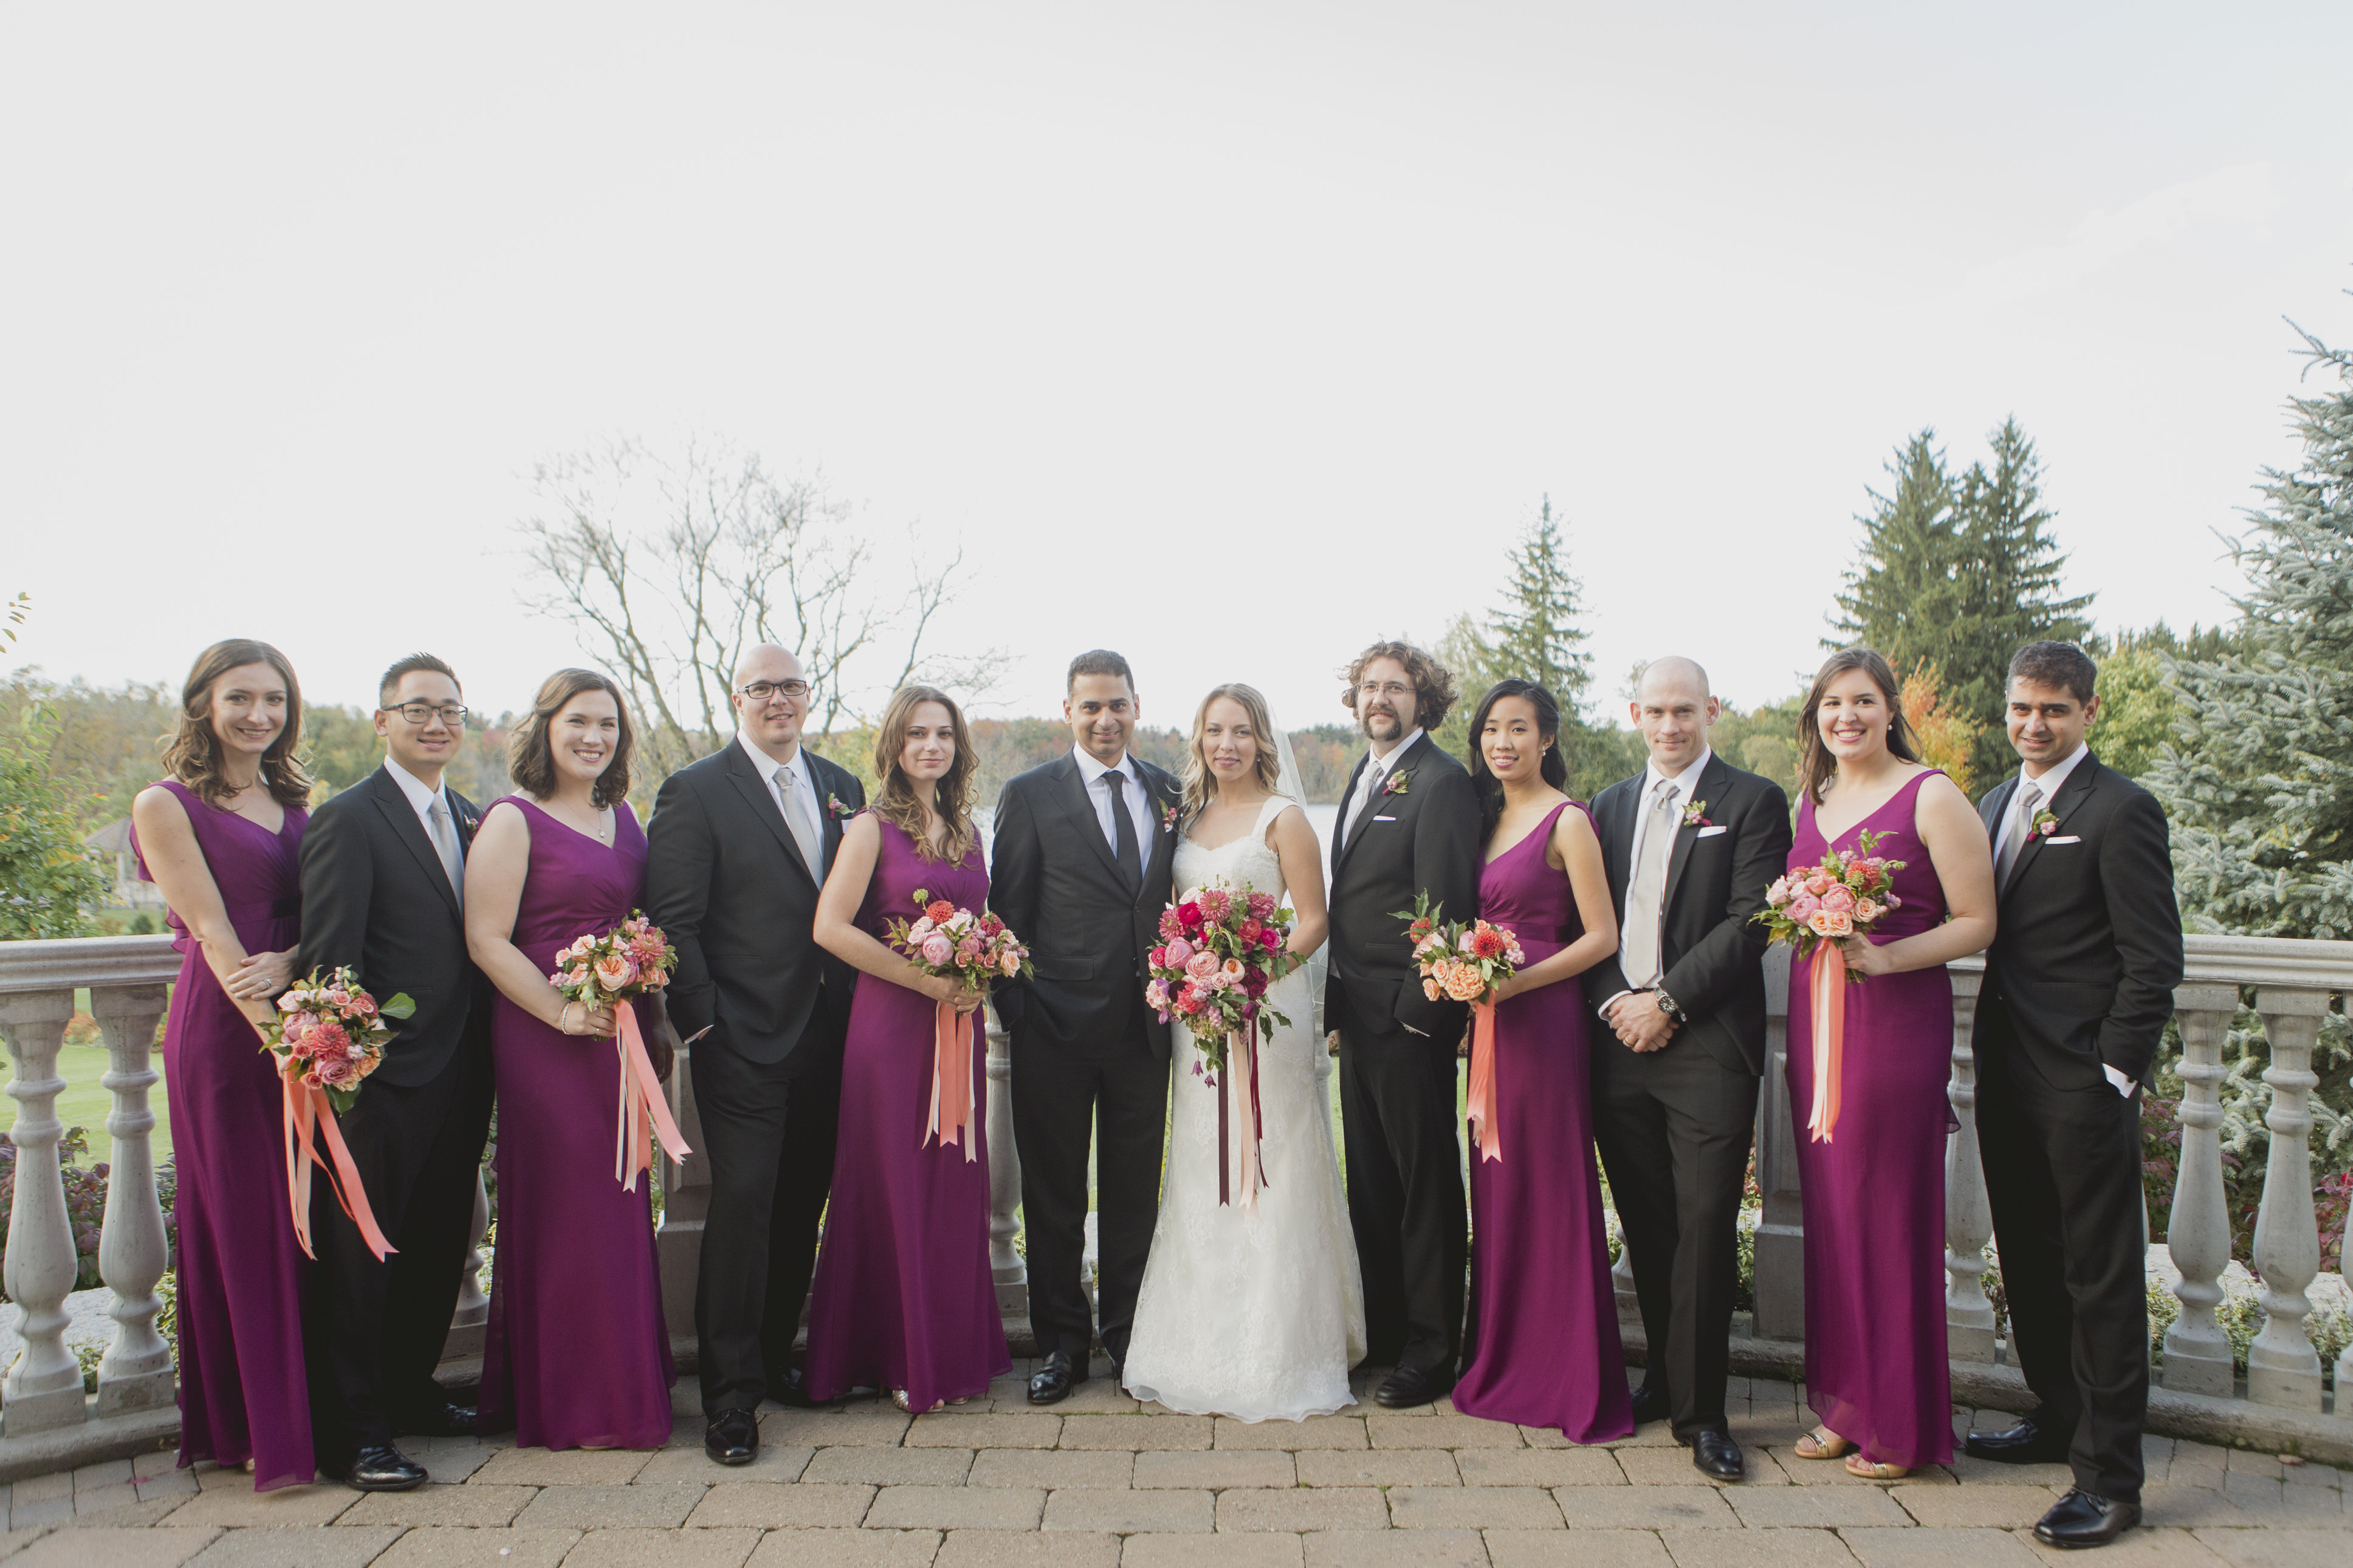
(1621, 1281)
(136, 1372)
(1004, 1180)
(686, 1200)
(1969, 1213)
(469, 1322)
(43, 1389)
(2198, 1236)
(2282, 1366)
(1780, 1268)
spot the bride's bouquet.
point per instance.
(975, 949)
(1813, 910)
(329, 1034)
(632, 960)
(1221, 948)
(1466, 960)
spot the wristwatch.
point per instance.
(1669, 1005)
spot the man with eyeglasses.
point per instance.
(384, 876)
(1408, 826)
(737, 851)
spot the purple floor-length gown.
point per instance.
(1874, 1194)
(1543, 1312)
(241, 1274)
(577, 1354)
(904, 1298)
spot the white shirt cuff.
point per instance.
(2124, 1086)
(1613, 1000)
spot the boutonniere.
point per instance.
(1695, 814)
(1167, 816)
(2046, 823)
(1398, 782)
(839, 809)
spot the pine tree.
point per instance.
(1906, 585)
(1535, 636)
(2258, 780)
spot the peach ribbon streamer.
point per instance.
(951, 1120)
(645, 1108)
(1479, 1096)
(1830, 1039)
(309, 1116)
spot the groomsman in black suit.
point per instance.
(383, 875)
(1079, 869)
(1692, 844)
(1409, 825)
(2078, 986)
(736, 851)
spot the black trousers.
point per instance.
(2062, 1172)
(375, 1328)
(768, 1129)
(1674, 1126)
(1405, 1191)
(1063, 1097)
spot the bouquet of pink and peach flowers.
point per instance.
(1462, 960)
(945, 939)
(630, 960)
(1844, 895)
(329, 1035)
(1219, 950)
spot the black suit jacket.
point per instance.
(1422, 837)
(1712, 949)
(726, 883)
(1053, 878)
(2087, 943)
(374, 897)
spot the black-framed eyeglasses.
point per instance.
(767, 691)
(422, 713)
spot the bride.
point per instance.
(1256, 1312)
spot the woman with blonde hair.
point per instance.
(220, 835)
(1274, 1268)
(904, 1299)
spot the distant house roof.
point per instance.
(114, 838)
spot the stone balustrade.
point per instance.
(42, 1395)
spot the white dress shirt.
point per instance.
(1369, 782)
(804, 786)
(2052, 781)
(421, 797)
(1679, 788)
(1135, 790)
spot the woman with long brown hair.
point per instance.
(220, 835)
(1874, 1178)
(573, 1282)
(904, 1298)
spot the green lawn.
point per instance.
(86, 1104)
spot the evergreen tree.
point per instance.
(1905, 587)
(1535, 636)
(2259, 781)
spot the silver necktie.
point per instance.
(2030, 796)
(805, 830)
(1645, 895)
(444, 844)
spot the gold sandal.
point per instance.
(1864, 1469)
(1822, 1443)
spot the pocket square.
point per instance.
(1710, 832)
(2066, 839)
(1385, 819)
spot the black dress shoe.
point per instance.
(1409, 1387)
(1650, 1405)
(788, 1387)
(1051, 1383)
(733, 1437)
(446, 1419)
(380, 1467)
(2085, 1519)
(1715, 1455)
(2028, 1442)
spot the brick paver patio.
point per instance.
(1104, 1483)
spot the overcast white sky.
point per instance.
(1229, 335)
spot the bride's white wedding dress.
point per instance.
(1253, 1315)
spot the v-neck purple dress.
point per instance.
(1543, 1313)
(240, 1273)
(1874, 1196)
(577, 1354)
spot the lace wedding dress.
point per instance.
(1256, 1315)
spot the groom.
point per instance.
(1409, 825)
(2078, 986)
(1079, 869)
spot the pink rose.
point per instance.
(1865, 911)
(937, 949)
(1818, 884)
(615, 970)
(1802, 908)
(1831, 923)
(1009, 962)
(1201, 965)
(1270, 939)
(1838, 901)
(1778, 891)
(1262, 906)
(1155, 995)
(1179, 952)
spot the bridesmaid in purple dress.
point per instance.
(219, 837)
(577, 1356)
(1544, 1314)
(1873, 1193)
(904, 1299)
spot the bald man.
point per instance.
(737, 849)
(1690, 844)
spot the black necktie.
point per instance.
(1130, 859)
